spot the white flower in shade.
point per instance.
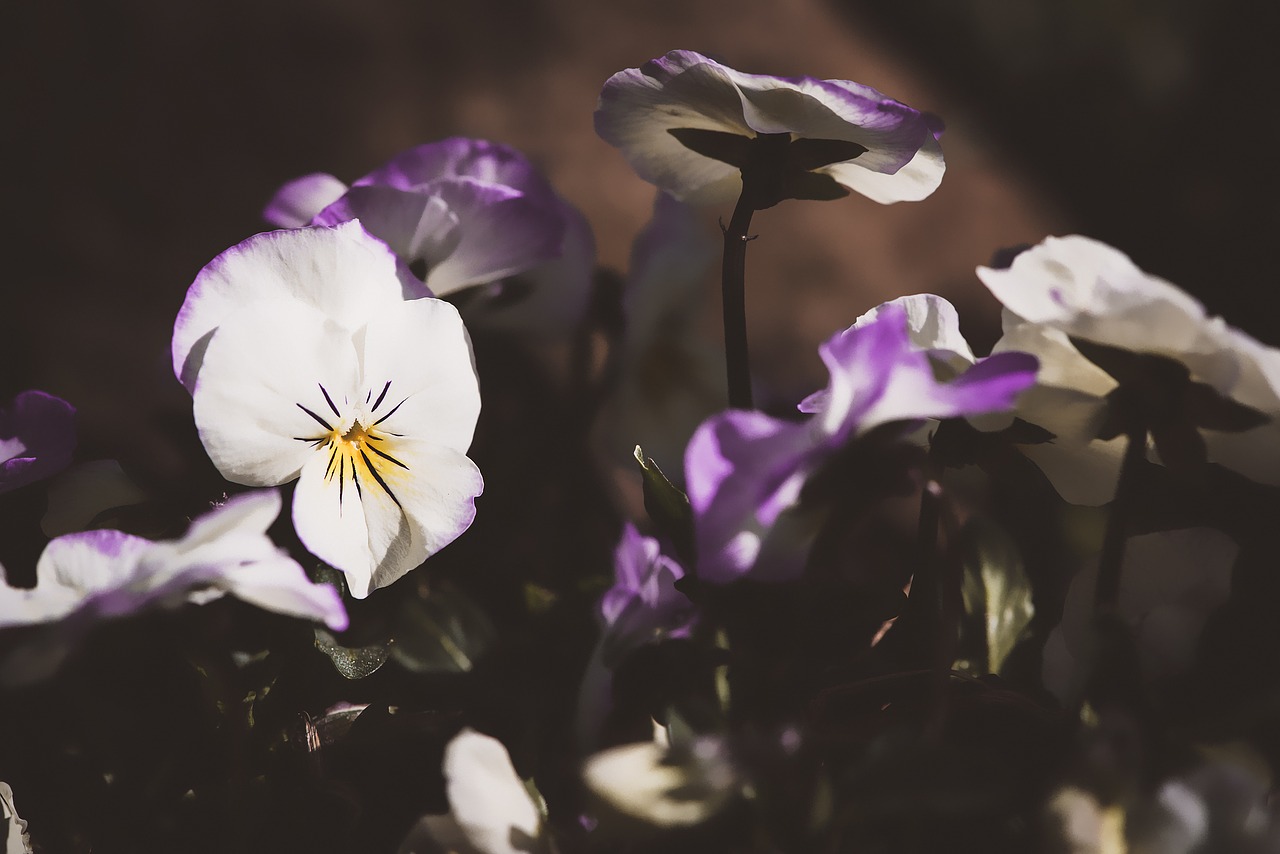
(314, 367)
(490, 810)
(17, 840)
(88, 577)
(689, 125)
(1170, 583)
(1077, 288)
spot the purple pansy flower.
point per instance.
(471, 212)
(861, 140)
(746, 469)
(87, 577)
(643, 605)
(37, 435)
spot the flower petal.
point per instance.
(37, 436)
(486, 798)
(333, 522)
(341, 271)
(297, 202)
(423, 350)
(915, 181)
(261, 393)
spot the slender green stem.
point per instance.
(1112, 557)
(733, 290)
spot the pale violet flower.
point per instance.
(1078, 288)
(745, 469)
(690, 124)
(470, 212)
(1170, 583)
(490, 810)
(84, 578)
(37, 436)
(306, 362)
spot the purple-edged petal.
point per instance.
(417, 226)
(639, 107)
(743, 470)
(297, 202)
(644, 605)
(458, 157)
(37, 436)
(341, 271)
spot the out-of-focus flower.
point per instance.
(490, 810)
(691, 125)
(37, 436)
(1077, 288)
(663, 786)
(16, 841)
(745, 469)
(84, 578)
(669, 377)
(331, 377)
(470, 212)
(1170, 582)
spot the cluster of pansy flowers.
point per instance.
(323, 355)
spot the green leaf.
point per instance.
(996, 591)
(667, 507)
(352, 662)
(441, 632)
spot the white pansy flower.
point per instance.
(369, 401)
(1078, 288)
(84, 578)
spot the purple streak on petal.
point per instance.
(644, 605)
(459, 157)
(297, 202)
(862, 361)
(993, 384)
(37, 436)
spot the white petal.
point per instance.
(640, 781)
(331, 523)
(297, 202)
(1253, 453)
(913, 182)
(423, 350)
(486, 798)
(1082, 474)
(264, 365)
(934, 326)
(340, 270)
(281, 586)
(70, 571)
(250, 512)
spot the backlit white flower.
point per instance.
(1077, 288)
(329, 376)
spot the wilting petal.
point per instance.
(261, 394)
(341, 271)
(37, 436)
(297, 202)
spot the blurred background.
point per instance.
(141, 138)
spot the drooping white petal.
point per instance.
(422, 349)
(330, 520)
(339, 270)
(913, 182)
(486, 797)
(280, 585)
(269, 373)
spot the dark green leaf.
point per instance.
(997, 590)
(667, 507)
(441, 632)
(352, 662)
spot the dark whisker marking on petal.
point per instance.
(314, 439)
(319, 420)
(379, 479)
(387, 456)
(389, 414)
(332, 456)
(368, 395)
(373, 438)
(342, 477)
(355, 478)
(381, 396)
(329, 400)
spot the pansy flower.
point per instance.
(307, 363)
(84, 578)
(1073, 289)
(463, 213)
(745, 469)
(37, 436)
(691, 125)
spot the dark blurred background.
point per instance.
(141, 138)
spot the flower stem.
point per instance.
(733, 290)
(1112, 558)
